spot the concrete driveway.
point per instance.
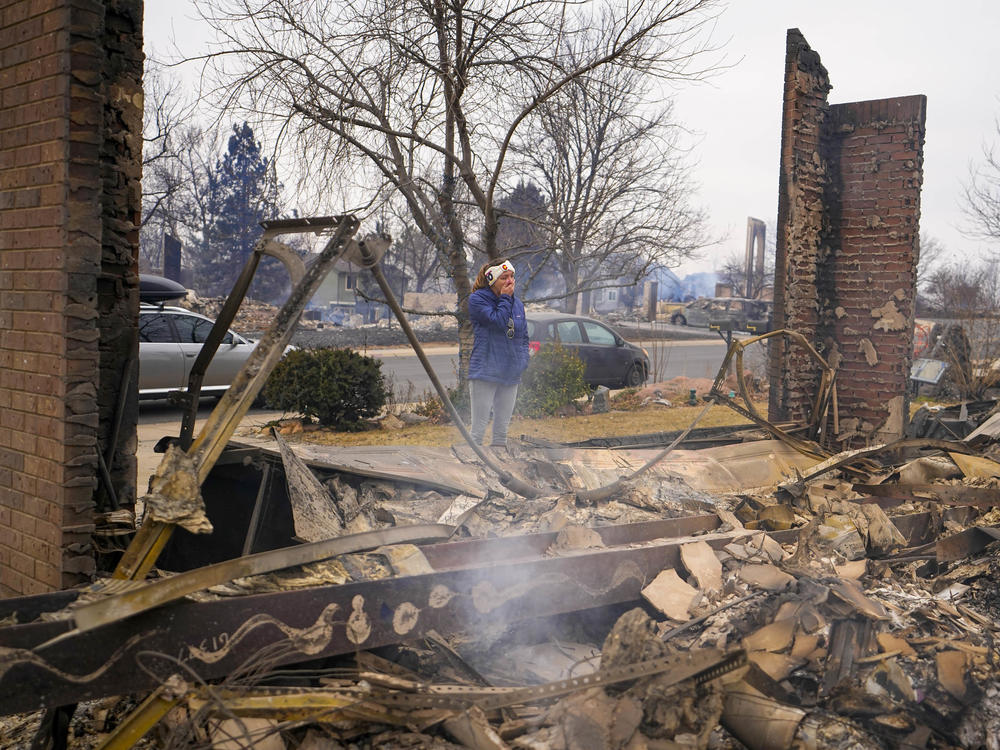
(158, 419)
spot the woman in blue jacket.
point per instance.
(499, 349)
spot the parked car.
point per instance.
(737, 310)
(169, 341)
(608, 358)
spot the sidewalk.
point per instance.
(153, 426)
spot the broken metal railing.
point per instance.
(391, 700)
(181, 473)
(266, 245)
(826, 395)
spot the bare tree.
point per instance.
(968, 297)
(617, 183)
(162, 120)
(392, 92)
(415, 255)
(981, 195)
(181, 193)
(931, 254)
(179, 164)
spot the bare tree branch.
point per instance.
(383, 94)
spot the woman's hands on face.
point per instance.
(505, 284)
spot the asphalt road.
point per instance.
(668, 359)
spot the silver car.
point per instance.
(169, 341)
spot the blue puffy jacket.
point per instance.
(495, 356)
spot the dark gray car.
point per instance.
(735, 310)
(608, 358)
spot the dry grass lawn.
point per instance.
(651, 418)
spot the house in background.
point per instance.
(342, 292)
(604, 301)
(337, 295)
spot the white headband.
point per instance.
(493, 272)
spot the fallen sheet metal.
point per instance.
(315, 516)
(429, 467)
(966, 543)
(722, 469)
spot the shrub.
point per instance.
(338, 387)
(554, 378)
(431, 406)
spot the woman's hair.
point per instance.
(481, 282)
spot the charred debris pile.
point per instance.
(743, 595)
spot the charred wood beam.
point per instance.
(214, 639)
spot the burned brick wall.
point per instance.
(845, 266)
(70, 160)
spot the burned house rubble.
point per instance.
(765, 592)
(813, 580)
(745, 595)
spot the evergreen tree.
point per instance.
(521, 235)
(247, 192)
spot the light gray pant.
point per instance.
(484, 396)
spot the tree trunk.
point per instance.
(571, 281)
(458, 265)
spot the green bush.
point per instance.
(338, 387)
(554, 378)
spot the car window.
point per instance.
(539, 330)
(154, 328)
(598, 334)
(192, 330)
(568, 332)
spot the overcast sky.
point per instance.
(873, 49)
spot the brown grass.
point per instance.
(650, 418)
(626, 417)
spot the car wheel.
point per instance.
(679, 320)
(635, 376)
